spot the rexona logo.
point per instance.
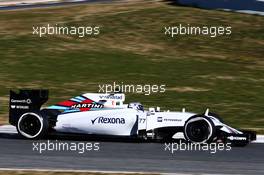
(87, 105)
(107, 120)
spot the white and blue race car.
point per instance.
(106, 114)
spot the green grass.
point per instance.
(225, 74)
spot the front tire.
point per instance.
(32, 125)
(199, 129)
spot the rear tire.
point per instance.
(32, 125)
(199, 129)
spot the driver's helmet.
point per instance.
(136, 105)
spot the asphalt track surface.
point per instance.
(132, 157)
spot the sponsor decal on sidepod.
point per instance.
(107, 120)
(87, 105)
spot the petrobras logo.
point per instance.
(107, 120)
(87, 105)
(111, 97)
(172, 120)
(159, 119)
(236, 138)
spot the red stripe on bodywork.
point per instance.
(87, 101)
(84, 109)
(67, 103)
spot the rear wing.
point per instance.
(25, 101)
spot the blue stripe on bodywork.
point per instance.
(73, 110)
(80, 98)
(58, 107)
(76, 100)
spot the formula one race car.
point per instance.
(106, 114)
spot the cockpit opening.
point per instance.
(136, 105)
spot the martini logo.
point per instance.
(106, 120)
(87, 105)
